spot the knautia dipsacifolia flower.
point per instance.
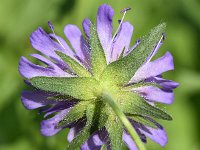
(101, 88)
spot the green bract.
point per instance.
(83, 88)
(98, 58)
(80, 70)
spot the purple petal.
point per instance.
(129, 141)
(71, 134)
(104, 28)
(86, 49)
(48, 63)
(152, 69)
(155, 94)
(65, 48)
(166, 84)
(86, 26)
(122, 40)
(75, 129)
(42, 42)
(58, 107)
(35, 99)
(94, 142)
(57, 67)
(49, 127)
(136, 126)
(157, 135)
(74, 35)
(30, 70)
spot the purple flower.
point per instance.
(104, 62)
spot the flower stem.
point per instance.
(108, 99)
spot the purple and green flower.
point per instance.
(99, 86)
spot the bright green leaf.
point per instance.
(115, 131)
(121, 71)
(136, 105)
(77, 68)
(101, 114)
(98, 58)
(82, 88)
(76, 113)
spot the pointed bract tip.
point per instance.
(163, 25)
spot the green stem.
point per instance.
(108, 99)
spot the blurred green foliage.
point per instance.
(19, 128)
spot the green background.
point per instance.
(19, 128)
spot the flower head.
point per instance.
(76, 81)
